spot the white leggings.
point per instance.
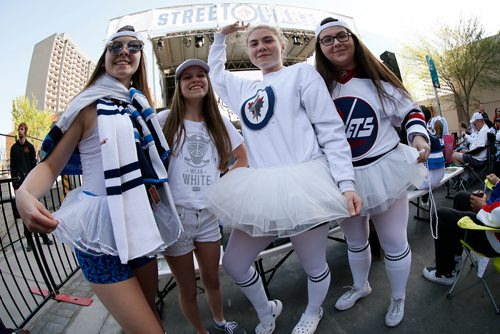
(391, 228)
(310, 247)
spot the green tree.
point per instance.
(38, 121)
(464, 58)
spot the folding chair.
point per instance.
(479, 265)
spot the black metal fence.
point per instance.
(29, 279)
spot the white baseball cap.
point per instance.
(476, 117)
(127, 30)
(332, 23)
(190, 62)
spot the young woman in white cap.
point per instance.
(111, 136)
(202, 142)
(300, 174)
(371, 101)
(476, 154)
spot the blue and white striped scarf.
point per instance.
(125, 120)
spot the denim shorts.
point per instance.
(107, 269)
(199, 225)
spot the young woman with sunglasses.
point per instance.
(116, 229)
(300, 174)
(371, 101)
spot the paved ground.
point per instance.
(428, 310)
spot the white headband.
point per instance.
(134, 34)
(320, 28)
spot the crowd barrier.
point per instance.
(29, 279)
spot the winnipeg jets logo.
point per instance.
(361, 124)
(255, 107)
(257, 111)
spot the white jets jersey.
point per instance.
(369, 124)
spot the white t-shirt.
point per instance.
(195, 165)
(480, 140)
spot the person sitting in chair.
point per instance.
(477, 154)
(448, 249)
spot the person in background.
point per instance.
(435, 163)
(496, 164)
(476, 154)
(123, 215)
(465, 137)
(486, 118)
(202, 142)
(371, 100)
(22, 161)
(439, 124)
(447, 246)
(300, 176)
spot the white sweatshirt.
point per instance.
(287, 118)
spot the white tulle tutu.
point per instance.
(282, 201)
(380, 183)
(85, 223)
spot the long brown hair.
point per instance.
(175, 131)
(139, 78)
(365, 60)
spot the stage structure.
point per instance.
(181, 32)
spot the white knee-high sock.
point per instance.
(397, 266)
(253, 289)
(360, 260)
(317, 288)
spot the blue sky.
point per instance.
(382, 25)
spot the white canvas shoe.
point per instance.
(349, 298)
(395, 312)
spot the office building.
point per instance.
(58, 71)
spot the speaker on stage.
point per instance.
(389, 59)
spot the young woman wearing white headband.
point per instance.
(371, 101)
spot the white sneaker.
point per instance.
(308, 323)
(431, 274)
(395, 312)
(268, 324)
(348, 299)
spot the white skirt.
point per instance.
(85, 223)
(281, 201)
(382, 182)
